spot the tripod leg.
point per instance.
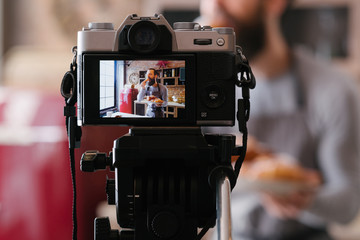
(223, 212)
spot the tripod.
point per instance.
(168, 183)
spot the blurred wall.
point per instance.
(149, 7)
(39, 35)
(1, 36)
(54, 23)
(350, 62)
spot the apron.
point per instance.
(286, 133)
(152, 110)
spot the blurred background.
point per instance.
(36, 38)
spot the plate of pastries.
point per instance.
(264, 170)
(154, 99)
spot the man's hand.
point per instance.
(287, 207)
(143, 84)
(290, 206)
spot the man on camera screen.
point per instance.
(154, 92)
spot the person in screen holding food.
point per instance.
(304, 156)
(155, 93)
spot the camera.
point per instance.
(194, 68)
(170, 178)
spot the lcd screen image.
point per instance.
(142, 89)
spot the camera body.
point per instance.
(167, 82)
(194, 63)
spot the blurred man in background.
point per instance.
(302, 108)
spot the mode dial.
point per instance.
(101, 26)
(186, 26)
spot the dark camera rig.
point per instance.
(169, 181)
(166, 183)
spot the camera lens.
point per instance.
(144, 37)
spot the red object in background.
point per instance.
(35, 182)
(91, 186)
(127, 98)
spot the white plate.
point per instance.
(272, 186)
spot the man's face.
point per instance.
(248, 19)
(151, 75)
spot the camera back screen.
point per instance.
(142, 89)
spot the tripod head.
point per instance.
(164, 186)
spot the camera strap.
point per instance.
(246, 80)
(68, 90)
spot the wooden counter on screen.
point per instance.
(172, 110)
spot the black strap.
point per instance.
(69, 92)
(243, 115)
(68, 86)
(246, 80)
(73, 178)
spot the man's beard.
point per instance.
(250, 34)
(251, 37)
(152, 81)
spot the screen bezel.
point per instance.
(91, 91)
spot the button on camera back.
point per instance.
(213, 96)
